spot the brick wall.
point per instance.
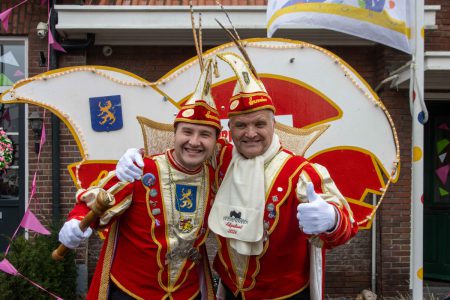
(348, 267)
(394, 225)
(24, 19)
(439, 40)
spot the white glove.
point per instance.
(71, 235)
(126, 170)
(317, 215)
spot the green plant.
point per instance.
(32, 258)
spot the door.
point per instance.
(13, 122)
(437, 192)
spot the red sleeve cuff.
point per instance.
(341, 233)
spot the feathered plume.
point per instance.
(237, 40)
(197, 41)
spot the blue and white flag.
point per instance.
(383, 21)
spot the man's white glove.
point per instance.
(126, 170)
(317, 215)
(71, 235)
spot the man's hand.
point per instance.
(317, 216)
(126, 170)
(71, 235)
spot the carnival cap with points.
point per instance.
(200, 108)
(249, 94)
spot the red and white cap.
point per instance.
(249, 94)
(200, 108)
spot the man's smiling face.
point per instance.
(193, 144)
(252, 133)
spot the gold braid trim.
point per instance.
(107, 261)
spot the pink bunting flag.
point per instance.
(55, 44)
(43, 136)
(33, 186)
(442, 173)
(443, 126)
(4, 18)
(4, 15)
(18, 73)
(8, 268)
(30, 221)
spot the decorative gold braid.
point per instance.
(107, 262)
(100, 176)
(77, 168)
(200, 103)
(207, 272)
(174, 225)
(173, 199)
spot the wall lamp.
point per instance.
(36, 121)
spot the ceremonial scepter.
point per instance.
(102, 203)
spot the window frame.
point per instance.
(23, 166)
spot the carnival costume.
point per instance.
(157, 227)
(277, 260)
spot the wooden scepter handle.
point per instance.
(101, 204)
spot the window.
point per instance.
(13, 67)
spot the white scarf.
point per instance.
(238, 210)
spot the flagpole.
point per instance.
(418, 116)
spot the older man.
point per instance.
(266, 194)
(158, 228)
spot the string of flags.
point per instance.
(30, 222)
(4, 20)
(4, 15)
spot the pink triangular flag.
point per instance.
(4, 18)
(43, 135)
(30, 221)
(7, 267)
(18, 73)
(55, 44)
(442, 173)
(443, 126)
